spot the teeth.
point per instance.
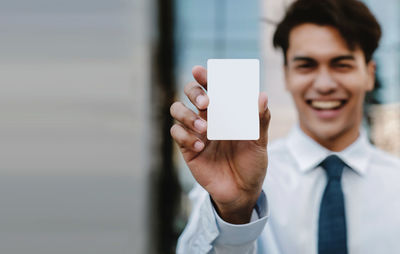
(325, 104)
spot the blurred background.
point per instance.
(87, 164)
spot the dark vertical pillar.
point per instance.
(164, 186)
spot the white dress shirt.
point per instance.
(288, 222)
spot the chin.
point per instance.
(335, 137)
(326, 133)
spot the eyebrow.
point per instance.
(345, 57)
(302, 58)
(309, 59)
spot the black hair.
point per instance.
(352, 18)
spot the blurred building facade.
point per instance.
(385, 113)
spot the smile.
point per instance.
(326, 104)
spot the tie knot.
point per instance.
(333, 166)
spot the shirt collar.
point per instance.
(308, 153)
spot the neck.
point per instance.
(338, 142)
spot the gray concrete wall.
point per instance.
(74, 153)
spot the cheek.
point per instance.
(297, 85)
(296, 93)
(300, 79)
(355, 84)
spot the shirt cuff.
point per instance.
(239, 234)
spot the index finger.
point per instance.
(200, 75)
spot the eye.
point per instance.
(343, 66)
(305, 65)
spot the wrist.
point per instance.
(238, 212)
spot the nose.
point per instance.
(324, 82)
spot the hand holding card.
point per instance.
(231, 171)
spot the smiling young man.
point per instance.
(328, 82)
(329, 190)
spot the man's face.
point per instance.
(328, 82)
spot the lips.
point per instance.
(326, 104)
(327, 109)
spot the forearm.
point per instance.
(207, 232)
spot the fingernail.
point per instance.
(198, 146)
(265, 105)
(201, 100)
(200, 124)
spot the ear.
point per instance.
(371, 69)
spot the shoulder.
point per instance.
(384, 160)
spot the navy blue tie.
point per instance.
(332, 237)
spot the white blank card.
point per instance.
(233, 90)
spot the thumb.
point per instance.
(265, 117)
